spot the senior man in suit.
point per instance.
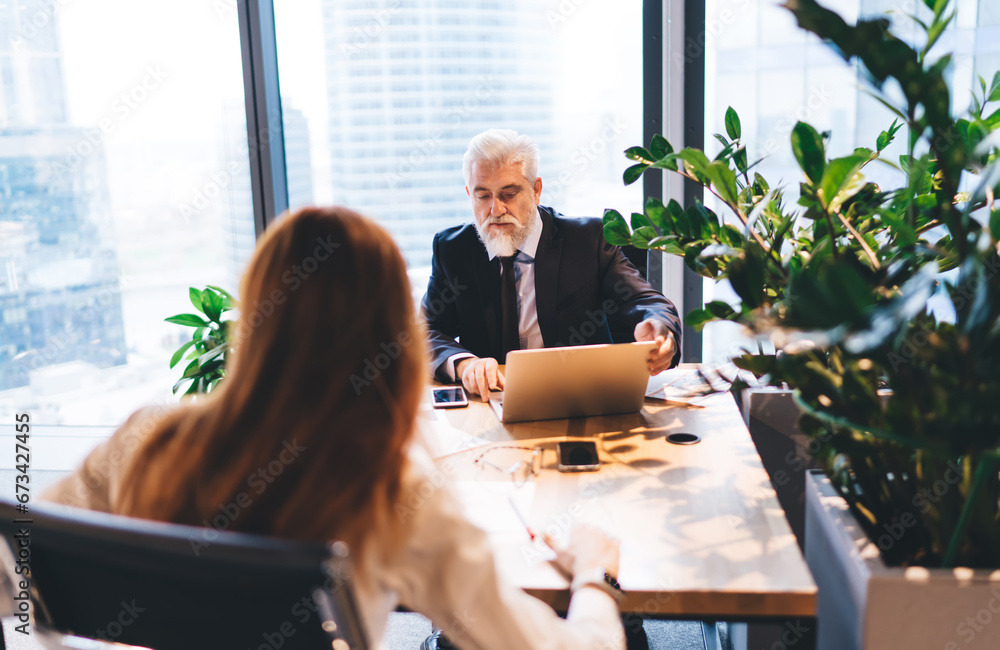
(523, 276)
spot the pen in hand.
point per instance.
(600, 550)
(545, 537)
(520, 516)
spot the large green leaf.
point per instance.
(845, 287)
(758, 364)
(740, 159)
(724, 181)
(196, 299)
(836, 184)
(639, 220)
(197, 386)
(657, 214)
(698, 318)
(807, 145)
(695, 218)
(641, 236)
(191, 370)
(191, 320)
(674, 211)
(761, 186)
(733, 124)
(713, 311)
(640, 154)
(659, 147)
(179, 353)
(992, 120)
(746, 275)
(204, 359)
(633, 173)
(228, 300)
(213, 305)
(222, 291)
(696, 163)
(616, 231)
(667, 162)
(890, 317)
(668, 244)
(731, 236)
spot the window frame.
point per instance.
(676, 100)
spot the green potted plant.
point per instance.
(901, 402)
(211, 341)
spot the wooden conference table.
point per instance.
(702, 533)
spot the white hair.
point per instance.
(499, 148)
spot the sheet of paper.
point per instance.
(490, 505)
(680, 386)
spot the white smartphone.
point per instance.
(450, 397)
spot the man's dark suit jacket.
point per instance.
(585, 288)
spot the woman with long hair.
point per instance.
(311, 434)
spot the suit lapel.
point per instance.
(547, 277)
(487, 274)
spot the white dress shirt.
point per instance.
(442, 566)
(527, 310)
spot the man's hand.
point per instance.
(480, 375)
(653, 329)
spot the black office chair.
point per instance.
(167, 586)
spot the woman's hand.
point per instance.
(589, 548)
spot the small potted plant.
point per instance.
(211, 341)
(903, 532)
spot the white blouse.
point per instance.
(445, 570)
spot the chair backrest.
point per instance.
(166, 586)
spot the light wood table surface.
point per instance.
(702, 533)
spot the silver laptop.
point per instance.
(551, 383)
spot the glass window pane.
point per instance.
(381, 98)
(784, 75)
(123, 181)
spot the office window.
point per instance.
(759, 62)
(567, 74)
(123, 181)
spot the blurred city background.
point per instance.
(124, 160)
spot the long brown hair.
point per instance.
(313, 419)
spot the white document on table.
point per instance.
(677, 386)
(490, 505)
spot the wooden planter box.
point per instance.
(863, 604)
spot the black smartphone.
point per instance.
(577, 456)
(450, 397)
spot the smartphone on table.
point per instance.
(449, 397)
(577, 456)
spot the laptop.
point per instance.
(569, 382)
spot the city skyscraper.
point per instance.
(230, 184)
(408, 85)
(298, 156)
(60, 299)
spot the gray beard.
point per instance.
(504, 245)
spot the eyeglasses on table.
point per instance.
(520, 471)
